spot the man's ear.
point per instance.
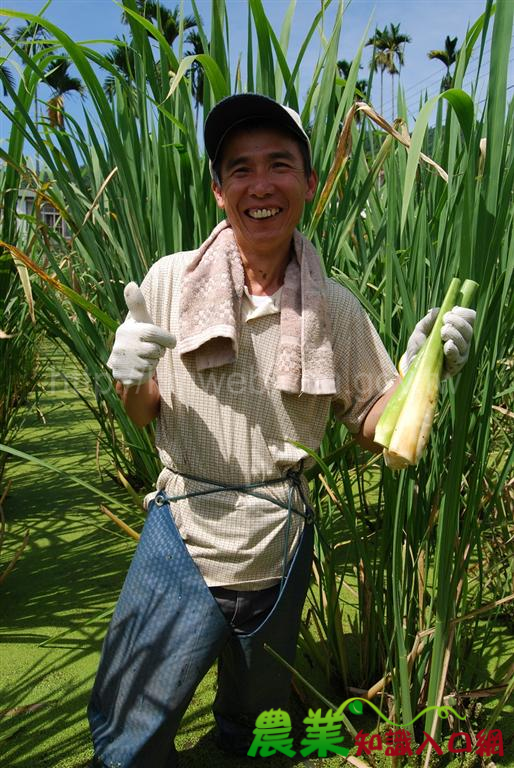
(218, 195)
(312, 183)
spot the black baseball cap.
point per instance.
(235, 110)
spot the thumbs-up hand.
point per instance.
(139, 343)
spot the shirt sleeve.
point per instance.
(364, 370)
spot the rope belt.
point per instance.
(292, 476)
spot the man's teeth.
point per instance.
(263, 213)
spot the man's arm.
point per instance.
(366, 434)
(141, 402)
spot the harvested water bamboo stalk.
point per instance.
(405, 425)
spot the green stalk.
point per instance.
(466, 293)
(398, 595)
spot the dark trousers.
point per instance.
(166, 632)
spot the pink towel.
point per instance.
(210, 314)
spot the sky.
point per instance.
(428, 22)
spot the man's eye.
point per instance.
(240, 170)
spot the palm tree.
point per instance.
(388, 48)
(32, 36)
(395, 50)
(57, 77)
(122, 57)
(344, 70)
(448, 56)
(6, 76)
(168, 21)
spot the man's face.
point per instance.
(263, 188)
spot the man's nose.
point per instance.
(261, 184)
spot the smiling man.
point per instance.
(267, 346)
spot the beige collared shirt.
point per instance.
(231, 425)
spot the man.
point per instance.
(267, 345)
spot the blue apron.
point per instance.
(166, 632)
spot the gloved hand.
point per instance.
(139, 343)
(456, 334)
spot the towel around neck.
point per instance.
(210, 313)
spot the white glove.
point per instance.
(139, 343)
(456, 334)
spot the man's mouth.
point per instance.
(262, 213)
